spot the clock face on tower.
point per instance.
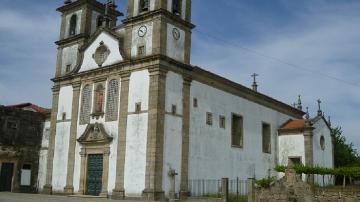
(176, 34)
(142, 31)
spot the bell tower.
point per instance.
(80, 19)
(159, 27)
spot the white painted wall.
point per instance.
(173, 130)
(65, 102)
(291, 146)
(41, 181)
(322, 158)
(138, 41)
(69, 57)
(136, 135)
(135, 159)
(175, 48)
(60, 161)
(62, 139)
(68, 17)
(211, 154)
(139, 90)
(113, 45)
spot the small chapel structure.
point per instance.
(128, 109)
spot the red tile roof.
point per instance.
(34, 107)
(294, 124)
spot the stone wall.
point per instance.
(348, 194)
(292, 189)
(20, 143)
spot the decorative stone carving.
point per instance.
(95, 134)
(101, 54)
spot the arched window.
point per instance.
(176, 7)
(73, 22)
(322, 143)
(85, 105)
(112, 100)
(144, 5)
(99, 22)
(99, 99)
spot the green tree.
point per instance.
(345, 155)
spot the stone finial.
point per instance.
(254, 85)
(299, 104)
(319, 112)
(67, 2)
(307, 117)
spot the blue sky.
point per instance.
(320, 39)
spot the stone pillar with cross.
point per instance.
(319, 112)
(255, 85)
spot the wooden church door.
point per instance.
(94, 174)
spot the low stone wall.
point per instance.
(347, 194)
(205, 200)
(292, 189)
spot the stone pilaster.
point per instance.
(130, 9)
(309, 154)
(185, 138)
(105, 175)
(49, 169)
(69, 188)
(82, 172)
(155, 137)
(119, 191)
(188, 10)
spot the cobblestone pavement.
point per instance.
(16, 197)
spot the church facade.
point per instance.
(130, 112)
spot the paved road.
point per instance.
(16, 197)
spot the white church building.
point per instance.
(129, 110)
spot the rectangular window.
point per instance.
(63, 116)
(138, 107)
(173, 109)
(68, 68)
(12, 125)
(266, 138)
(25, 178)
(195, 103)
(209, 118)
(222, 121)
(141, 51)
(237, 131)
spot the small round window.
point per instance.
(322, 142)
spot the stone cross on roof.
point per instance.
(319, 108)
(299, 104)
(254, 85)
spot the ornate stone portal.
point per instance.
(94, 141)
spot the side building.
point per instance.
(21, 132)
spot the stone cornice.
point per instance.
(94, 3)
(154, 13)
(295, 131)
(222, 83)
(71, 39)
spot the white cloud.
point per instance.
(28, 56)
